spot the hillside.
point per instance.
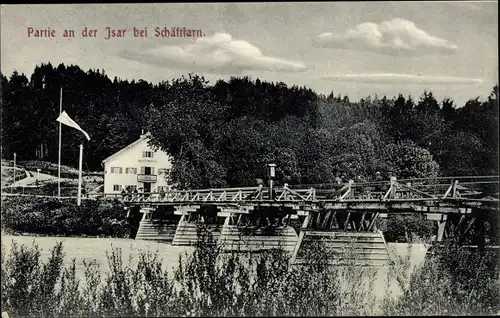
(29, 181)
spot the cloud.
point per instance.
(389, 78)
(394, 37)
(218, 54)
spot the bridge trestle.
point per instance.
(347, 236)
(187, 232)
(158, 223)
(263, 228)
(355, 248)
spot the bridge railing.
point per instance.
(416, 181)
(438, 186)
(432, 188)
(200, 195)
(219, 195)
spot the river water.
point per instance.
(82, 248)
(96, 248)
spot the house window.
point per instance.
(147, 154)
(148, 170)
(131, 187)
(131, 170)
(116, 170)
(117, 187)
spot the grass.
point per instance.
(50, 168)
(69, 187)
(48, 188)
(47, 168)
(211, 283)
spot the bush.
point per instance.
(28, 285)
(210, 283)
(50, 216)
(8, 175)
(454, 281)
(410, 228)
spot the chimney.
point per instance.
(143, 133)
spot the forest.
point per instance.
(224, 133)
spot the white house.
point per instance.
(137, 166)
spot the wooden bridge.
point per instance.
(295, 216)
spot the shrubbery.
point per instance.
(8, 174)
(409, 228)
(454, 281)
(49, 216)
(210, 283)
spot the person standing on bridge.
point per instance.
(360, 179)
(385, 185)
(338, 182)
(378, 179)
(389, 175)
(343, 179)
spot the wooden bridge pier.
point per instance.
(158, 223)
(346, 235)
(259, 228)
(192, 216)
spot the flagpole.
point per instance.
(79, 200)
(65, 119)
(59, 166)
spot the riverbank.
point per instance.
(62, 236)
(48, 216)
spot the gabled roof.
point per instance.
(143, 137)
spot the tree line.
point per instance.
(223, 134)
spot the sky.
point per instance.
(353, 48)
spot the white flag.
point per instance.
(65, 119)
